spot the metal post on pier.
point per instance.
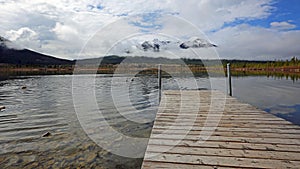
(159, 82)
(229, 89)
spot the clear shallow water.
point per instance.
(46, 105)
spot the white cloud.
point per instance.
(65, 32)
(245, 41)
(280, 109)
(212, 14)
(24, 36)
(61, 27)
(282, 25)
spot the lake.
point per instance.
(128, 105)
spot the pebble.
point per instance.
(71, 152)
(29, 158)
(51, 162)
(87, 147)
(13, 160)
(91, 157)
(118, 139)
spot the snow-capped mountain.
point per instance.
(196, 43)
(156, 45)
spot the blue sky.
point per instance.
(243, 29)
(284, 11)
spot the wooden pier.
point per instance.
(207, 129)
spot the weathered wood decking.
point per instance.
(207, 129)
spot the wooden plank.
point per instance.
(221, 133)
(220, 160)
(293, 128)
(227, 129)
(288, 141)
(224, 120)
(235, 125)
(229, 134)
(155, 165)
(244, 153)
(220, 121)
(227, 145)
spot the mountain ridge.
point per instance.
(11, 54)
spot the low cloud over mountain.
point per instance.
(5, 43)
(156, 45)
(196, 43)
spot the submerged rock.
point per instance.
(23, 87)
(2, 108)
(184, 46)
(47, 134)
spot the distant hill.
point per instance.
(113, 59)
(150, 60)
(10, 54)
